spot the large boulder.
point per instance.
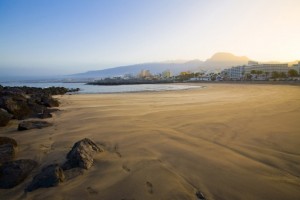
(14, 172)
(33, 124)
(8, 149)
(50, 176)
(4, 117)
(81, 154)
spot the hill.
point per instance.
(224, 60)
(155, 68)
(218, 62)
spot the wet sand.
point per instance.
(228, 141)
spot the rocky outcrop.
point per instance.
(81, 154)
(8, 149)
(27, 125)
(79, 158)
(27, 102)
(50, 176)
(4, 117)
(14, 172)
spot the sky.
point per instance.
(69, 36)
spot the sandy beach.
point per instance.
(228, 141)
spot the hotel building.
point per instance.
(297, 67)
(234, 73)
(267, 68)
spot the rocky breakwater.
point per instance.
(28, 102)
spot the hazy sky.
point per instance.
(61, 36)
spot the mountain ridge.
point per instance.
(218, 62)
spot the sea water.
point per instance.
(94, 89)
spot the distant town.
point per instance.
(253, 71)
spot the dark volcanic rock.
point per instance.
(26, 102)
(50, 176)
(27, 125)
(8, 149)
(14, 172)
(81, 155)
(4, 117)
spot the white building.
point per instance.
(234, 73)
(267, 69)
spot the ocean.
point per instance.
(99, 89)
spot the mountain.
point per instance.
(154, 68)
(225, 60)
(217, 62)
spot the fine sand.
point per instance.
(228, 141)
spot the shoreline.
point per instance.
(125, 82)
(145, 91)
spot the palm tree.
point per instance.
(292, 73)
(275, 74)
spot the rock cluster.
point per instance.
(13, 172)
(24, 102)
(80, 157)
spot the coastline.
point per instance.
(237, 142)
